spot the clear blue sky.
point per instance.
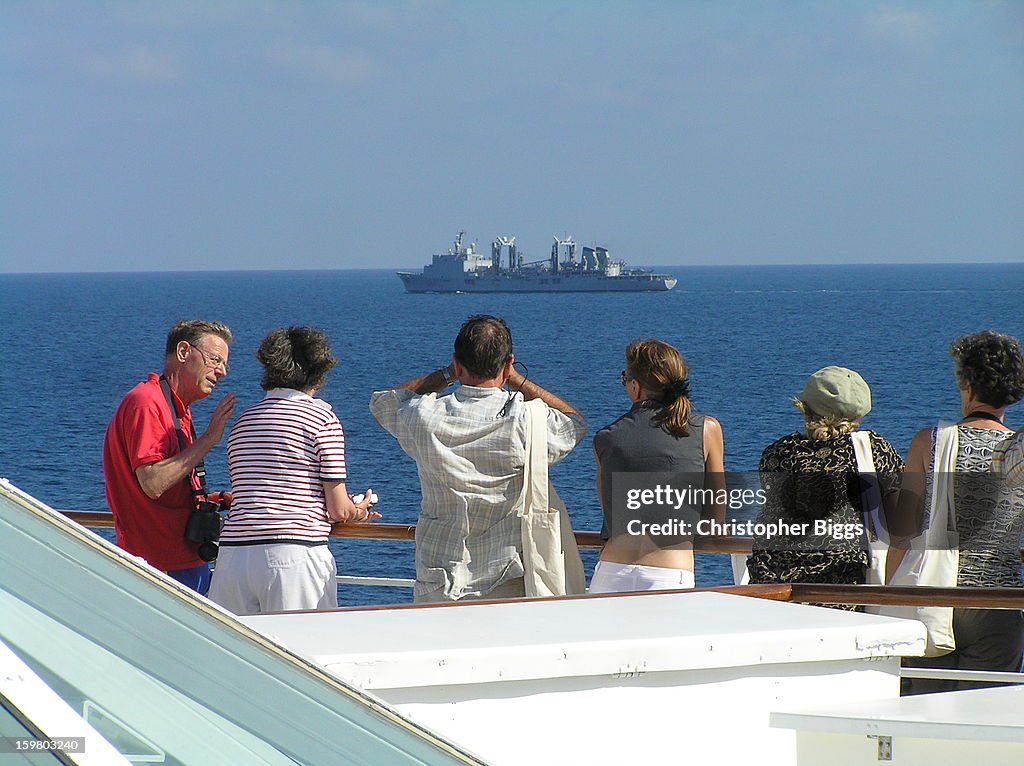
(209, 134)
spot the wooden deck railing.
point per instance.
(882, 595)
(102, 520)
(584, 539)
(981, 598)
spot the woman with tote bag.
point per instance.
(985, 515)
(807, 480)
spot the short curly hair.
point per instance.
(991, 364)
(295, 357)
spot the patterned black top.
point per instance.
(989, 515)
(807, 481)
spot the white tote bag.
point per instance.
(872, 511)
(934, 556)
(551, 560)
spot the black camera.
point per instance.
(203, 527)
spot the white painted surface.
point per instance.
(862, 750)
(979, 726)
(706, 716)
(618, 636)
(657, 678)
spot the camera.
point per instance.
(203, 527)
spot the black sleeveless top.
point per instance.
(636, 444)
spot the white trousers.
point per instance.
(281, 577)
(612, 577)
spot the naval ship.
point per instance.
(464, 270)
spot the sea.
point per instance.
(73, 344)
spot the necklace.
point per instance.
(985, 415)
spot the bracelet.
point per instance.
(448, 379)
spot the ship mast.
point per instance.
(570, 251)
(458, 243)
(496, 247)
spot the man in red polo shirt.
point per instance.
(149, 477)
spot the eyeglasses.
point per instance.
(625, 377)
(212, 360)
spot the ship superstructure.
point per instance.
(465, 270)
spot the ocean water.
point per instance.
(73, 344)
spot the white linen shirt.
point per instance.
(470, 462)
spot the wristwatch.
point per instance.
(448, 379)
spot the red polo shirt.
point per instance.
(143, 432)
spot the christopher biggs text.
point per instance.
(710, 527)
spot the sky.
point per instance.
(251, 134)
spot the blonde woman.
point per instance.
(807, 484)
(662, 433)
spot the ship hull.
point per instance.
(515, 283)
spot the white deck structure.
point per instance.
(980, 726)
(646, 678)
(96, 644)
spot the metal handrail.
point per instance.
(377, 582)
(949, 674)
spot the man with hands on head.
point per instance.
(150, 453)
(470, 451)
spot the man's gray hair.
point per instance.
(192, 331)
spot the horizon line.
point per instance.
(312, 269)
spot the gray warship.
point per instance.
(464, 270)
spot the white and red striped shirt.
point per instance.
(280, 452)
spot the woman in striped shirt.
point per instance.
(286, 457)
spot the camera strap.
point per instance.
(200, 470)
